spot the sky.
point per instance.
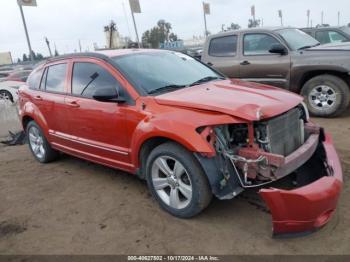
(65, 22)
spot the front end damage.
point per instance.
(291, 161)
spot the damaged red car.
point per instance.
(186, 129)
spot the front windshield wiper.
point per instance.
(206, 79)
(308, 46)
(173, 87)
(166, 88)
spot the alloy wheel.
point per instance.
(322, 97)
(171, 182)
(36, 142)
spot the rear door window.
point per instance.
(87, 77)
(56, 78)
(223, 46)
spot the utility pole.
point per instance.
(79, 45)
(308, 17)
(252, 10)
(135, 8)
(48, 45)
(280, 16)
(56, 52)
(322, 18)
(338, 18)
(137, 34)
(206, 11)
(26, 32)
(126, 19)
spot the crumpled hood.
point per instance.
(249, 101)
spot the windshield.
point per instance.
(297, 39)
(163, 71)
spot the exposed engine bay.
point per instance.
(265, 151)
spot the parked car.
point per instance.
(287, 58)
(326, 35)
(3, 75)
(186, 129)
(194, 52)
(9, 85)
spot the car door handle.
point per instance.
(210, 64)
(38, 98)
(245, 62)
(73, 104)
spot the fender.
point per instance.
(299, 73)
(173, 126)
(31, 110)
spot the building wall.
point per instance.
(5, 58)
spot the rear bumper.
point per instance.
(307, 208)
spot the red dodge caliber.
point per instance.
(187, 130)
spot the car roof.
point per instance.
(253, 29)
(323, 27)
(103, 54)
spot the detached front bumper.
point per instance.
(307, 208)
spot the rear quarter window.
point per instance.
(34, 79)
(223, 46)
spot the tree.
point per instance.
(234, 26)
(25, 58)
(164, 29)
(253, 23)
(34, 55)
(39, 56)
(348, 24)
(172, 37)
(56, 53)
(18, 60)
(159, 34)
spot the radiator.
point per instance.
(285, 133)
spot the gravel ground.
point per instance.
(75, 207)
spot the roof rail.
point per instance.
(73, 55)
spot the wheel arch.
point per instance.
(150, 143)
(25, 121)
(29, 112)
(311, 74)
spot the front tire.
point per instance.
(177, 181)
(326, 95)
(38, 144)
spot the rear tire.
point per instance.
(38, 144)
(177, 181)
(326, 95)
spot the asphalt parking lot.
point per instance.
(75, 207)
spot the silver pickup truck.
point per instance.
(286, 58)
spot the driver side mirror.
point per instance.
(109, 94)
(278, 49)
